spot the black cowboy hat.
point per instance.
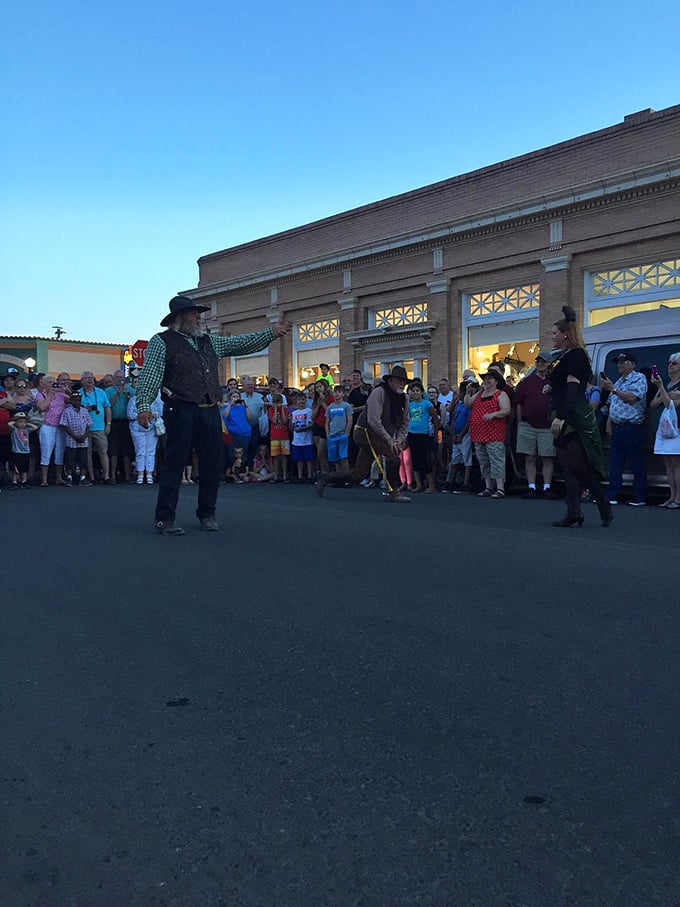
(496, 375)
(398, 371)
(180, 304)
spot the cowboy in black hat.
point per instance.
(380, 431)
(181, 363)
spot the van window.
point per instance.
(654, 354)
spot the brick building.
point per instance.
(467, 270)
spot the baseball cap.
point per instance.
(625, 356)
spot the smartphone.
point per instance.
(655, 372)
(603, 376)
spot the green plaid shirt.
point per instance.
(151, 378)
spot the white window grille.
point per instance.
(657, 275)
(397, 316)
(318, 331)
(503, 302)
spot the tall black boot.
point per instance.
(572, 518)
(603, 505)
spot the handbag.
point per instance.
(668, 423)
(159, 426)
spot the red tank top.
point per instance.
(484, 432)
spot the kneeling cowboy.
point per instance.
(380, 431)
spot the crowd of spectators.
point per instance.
(56, 430)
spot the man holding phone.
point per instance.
(625, 425)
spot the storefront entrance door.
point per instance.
(415, 368)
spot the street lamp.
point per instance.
(30, 364)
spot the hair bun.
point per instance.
(569, 313)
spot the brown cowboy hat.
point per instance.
(398, 371)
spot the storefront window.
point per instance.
(514, 358)
(315, 342)
(502, 327)
(597, 316)
(255, 366)
(633, 288)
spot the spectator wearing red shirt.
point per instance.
(534, 437)
(320, 403)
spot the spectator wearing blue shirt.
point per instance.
(461, 445)
(421, 410)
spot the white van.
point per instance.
(651, 336)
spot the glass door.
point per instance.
(415, 368)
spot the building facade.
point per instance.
(52, 356)
(469, 270)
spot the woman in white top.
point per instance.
(144, 439)
(669, 448)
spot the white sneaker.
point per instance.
(140, 480)
(366, 483)
(149, 480)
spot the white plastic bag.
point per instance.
(159, 426)
(668, 423)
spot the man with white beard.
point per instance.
(181, 363)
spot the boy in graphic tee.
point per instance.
(300, 423)
(338, 427)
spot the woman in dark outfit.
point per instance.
(577, 436)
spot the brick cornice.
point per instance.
(617, 188)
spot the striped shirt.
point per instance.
(151, 378)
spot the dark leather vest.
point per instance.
(190, 375)
(393, 411)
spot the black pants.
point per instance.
(418, 445)
(20, 462)
(190, 427)
(578, 472)
(75, 456)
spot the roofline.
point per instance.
(632, 121)
(612, 185)
(8, 337)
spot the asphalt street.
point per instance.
(337, 702)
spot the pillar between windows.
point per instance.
(556, 290)
(279, 357)
(349, 316)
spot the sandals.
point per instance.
(672, 505)
(497, 495)
(485, 494)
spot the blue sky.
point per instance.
(140, 136)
